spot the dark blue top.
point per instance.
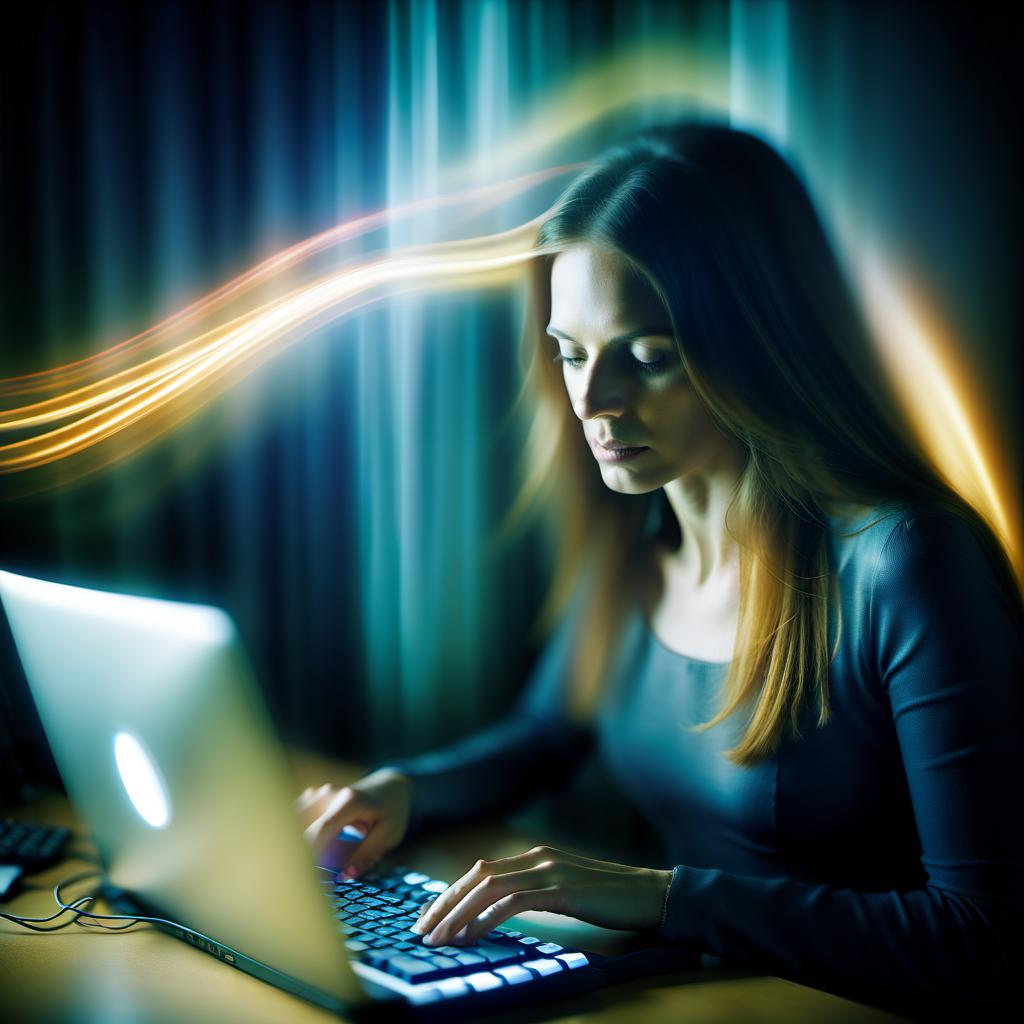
(880, 855)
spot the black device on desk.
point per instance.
(168, 755)
(26, 847)
(31, 847)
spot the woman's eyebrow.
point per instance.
(640, 332)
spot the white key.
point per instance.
(574, 959)
(435, 886)
(422, 994)
(415, 877)
(544, 966)
(452, 986)
(514, 974)
(482, 981)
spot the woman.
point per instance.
(798, 649)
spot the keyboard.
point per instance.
(31, 847)
(375, 912)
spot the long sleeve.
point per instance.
(946, 645)
(490, 772)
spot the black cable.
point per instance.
(24, 921)
(75, 908)
(139, 919)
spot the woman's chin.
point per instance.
(626, 482)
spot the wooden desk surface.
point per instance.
(143, 976)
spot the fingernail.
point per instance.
(432, 939)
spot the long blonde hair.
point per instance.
(769, 333)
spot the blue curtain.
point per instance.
(154, 151)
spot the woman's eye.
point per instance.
(651, 366)
(643, 365)
(571, 360)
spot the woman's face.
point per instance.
(623, 374)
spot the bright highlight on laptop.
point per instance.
(141, 780)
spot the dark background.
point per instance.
(117, 118)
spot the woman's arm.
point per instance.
(532, 748)
(948, 651)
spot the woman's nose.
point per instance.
(602, 392)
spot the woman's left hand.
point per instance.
(598, 891)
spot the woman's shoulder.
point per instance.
(858, 534)
(893, 547)
(879, 528)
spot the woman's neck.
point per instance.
(699, 502)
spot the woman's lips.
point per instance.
(620, 454)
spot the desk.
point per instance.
(143, 976)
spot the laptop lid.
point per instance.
(168, 754)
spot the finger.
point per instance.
(452, 894)
(444, 923)
(528, 899)
(481, 869)
(310, 794)
(494, 915)
(342, 810)
(425, 906)
(311, 802)
(380, 838)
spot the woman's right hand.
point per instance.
(379, 805)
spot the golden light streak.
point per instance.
(941, 400)
(464, 263)
(292, 257)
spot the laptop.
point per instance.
(169, 756)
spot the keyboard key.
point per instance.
(381, 957)
(409, 968)
(483, 980)
(415, 878)
(514, 974)
(435, 886)
(543, 967)
(422, 994)
(443, 963)
(29, 846)
(575, 959)
(496, 954)
(529, 940)
(550, 947)
(356, 946)
(468, 959)
(451, 988)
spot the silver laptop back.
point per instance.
(168, 755)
